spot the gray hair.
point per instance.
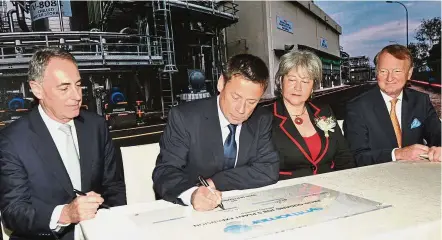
(298, 58)
(41, 58)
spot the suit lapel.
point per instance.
(406, 118)
(47, 151)
(214, 136)
(315, 112)
(381, 113)
(289, 129)
(83, 135)
(245, 140)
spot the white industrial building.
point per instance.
(269, 28)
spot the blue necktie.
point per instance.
(230, 148)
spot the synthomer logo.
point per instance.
(240, 228)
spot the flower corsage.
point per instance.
(326, 124)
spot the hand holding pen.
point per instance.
(206, 197)
(80, 193)
(83, 207)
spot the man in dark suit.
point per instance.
(55, 149)
(391, 122)
(223, 139)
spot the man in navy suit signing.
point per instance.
(391, 122)
(223, 139)
(53, 150)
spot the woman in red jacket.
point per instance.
(307, 135)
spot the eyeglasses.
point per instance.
(394, 72)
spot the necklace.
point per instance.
(299, 120)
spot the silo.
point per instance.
(45, 15)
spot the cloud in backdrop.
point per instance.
(367, 26)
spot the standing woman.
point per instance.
(306, 135)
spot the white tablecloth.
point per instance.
(414, 190)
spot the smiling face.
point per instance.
(392, 74)
(297, 86)
(238, 98)
(59, 92)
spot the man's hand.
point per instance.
(81, 208)
(411, 152)
(204, 200)
(435, 154)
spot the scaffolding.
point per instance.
(360, 69)
(163, 30)
(90, 49)
(105, 48)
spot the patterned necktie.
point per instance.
(394, 120)
(71, 160)
(230, 148)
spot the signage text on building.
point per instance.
(323, 43)
(45, 8)
(284, 25)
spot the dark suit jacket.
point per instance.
(369, 130)
(295, 157)
(191, 145)
(34, 180)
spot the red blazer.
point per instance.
(295, 157)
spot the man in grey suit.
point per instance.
(223, 139)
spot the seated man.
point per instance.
(390, 122)
(221, 139)
(50, 157)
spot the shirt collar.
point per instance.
(222, 119)
(387, 98)
(51, 123)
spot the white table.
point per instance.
(414, 190)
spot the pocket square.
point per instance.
(416, 123)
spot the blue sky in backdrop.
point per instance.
(367, 26)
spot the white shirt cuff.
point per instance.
(53, 224)
(187, 195)
(393, 157)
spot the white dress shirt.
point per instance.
(224, 123)
(59, 139)
(398, 110)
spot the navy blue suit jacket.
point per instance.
(191, 145)
(369, 130)
(34, 180)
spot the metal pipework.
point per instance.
(11, 19)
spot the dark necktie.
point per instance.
(230, 148)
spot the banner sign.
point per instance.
(44, 9)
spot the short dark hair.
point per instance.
(41, 58)
(249, 66)
(398, 51)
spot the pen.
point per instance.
(206, 184)
(424, 156)
(84, 194)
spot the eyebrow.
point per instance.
(303, 77)
(248, 99)
(67, 84)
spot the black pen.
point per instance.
(206, 184)
(84, 194)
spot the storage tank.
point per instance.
(45, 15)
